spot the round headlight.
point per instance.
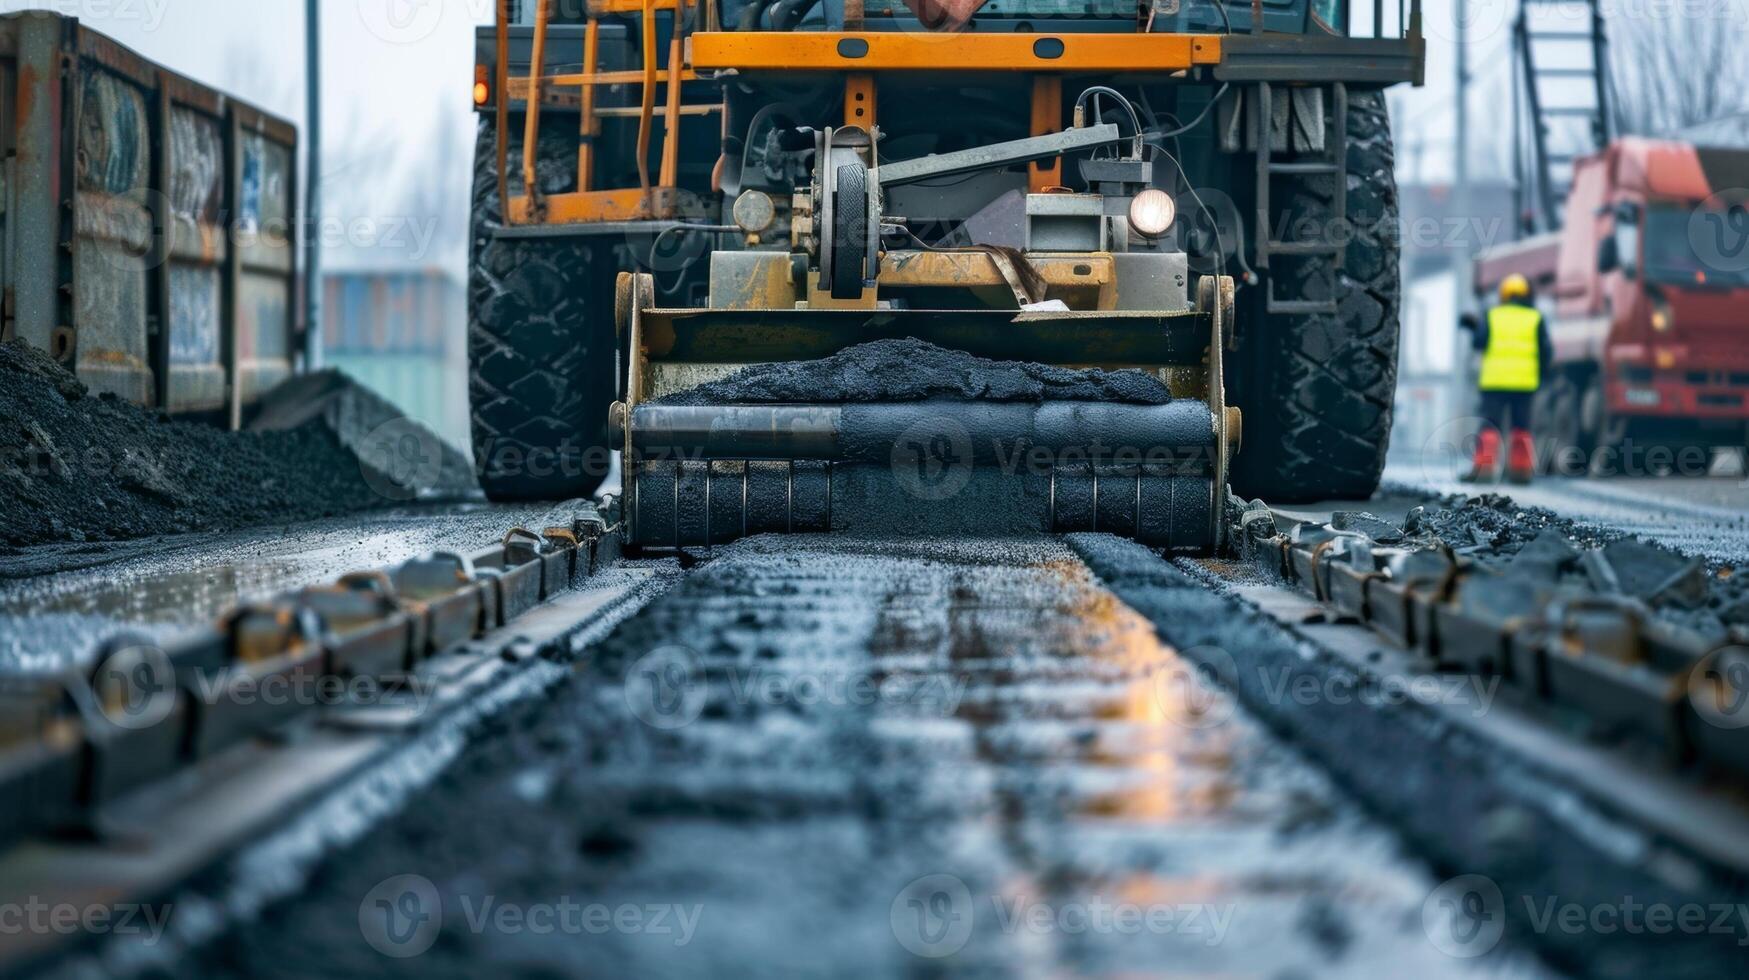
(1151, 212)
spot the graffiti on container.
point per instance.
(196, 153)
(194, 314)
(112, 136)
(249, 207)
(262, 209)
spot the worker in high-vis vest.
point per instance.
(1516, 354)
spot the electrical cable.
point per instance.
(1173, 154)
(1128, 107)
(1214, 222)
(1187, 127)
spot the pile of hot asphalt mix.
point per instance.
(77, 466)
(911, 370)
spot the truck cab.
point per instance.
(1652, 289)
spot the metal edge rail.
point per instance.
(1489, 784)
(140, 713)
(107, 815)
(1605, 659)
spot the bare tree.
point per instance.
(1675, 66)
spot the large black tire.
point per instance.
(1317, 390)
(541, 347)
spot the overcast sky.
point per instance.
(399, 127)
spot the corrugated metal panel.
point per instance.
(116, 258)
(197, 261)
(265, 290)
(113, 222)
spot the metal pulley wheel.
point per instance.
(849, 231)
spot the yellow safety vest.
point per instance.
(1513, 360)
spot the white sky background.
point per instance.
(1424, 118)
(399, 128)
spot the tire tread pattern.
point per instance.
(541, 375)
(1319, 399)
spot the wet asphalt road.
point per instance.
(58, 603)
(840, 757)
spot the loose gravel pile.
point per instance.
(911, 370)
(81, 467)
(1491, 525)
(1543, 549)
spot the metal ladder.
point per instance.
(1335, 164)
(1579, 36)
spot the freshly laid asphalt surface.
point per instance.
(821, 756)
(840, 756)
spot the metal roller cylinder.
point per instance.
(1178, 438)
(676, 504)
(706, 475)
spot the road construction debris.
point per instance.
(911, 370)
(1644, 642)
(78, 466)
(1490, 524)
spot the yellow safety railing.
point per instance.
(655, 199)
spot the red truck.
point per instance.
(1647, 292)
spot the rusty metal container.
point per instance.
(149, 234)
